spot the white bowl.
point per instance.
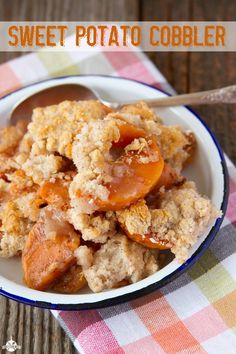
(208, 170)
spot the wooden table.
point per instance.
(35, 329)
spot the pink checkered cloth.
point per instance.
(196, 313)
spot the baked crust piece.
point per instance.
(118, 259)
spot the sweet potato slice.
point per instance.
(56, 193)
(133, 174)
(135, 181)
(71, 282)
(128, 133)
(149, 240)
(49, 250)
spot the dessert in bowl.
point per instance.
(97, 205)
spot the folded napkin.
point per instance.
(196, 313)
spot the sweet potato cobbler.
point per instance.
(95, 196)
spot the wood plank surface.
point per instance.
(212, 70)
(35, 329)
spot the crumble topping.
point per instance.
(91, 154)
(84, 256)
(93, 228)
(14, 229)
(11, 246)
(186, 216)
(13, 221)
(25, 144)
(29, 206)
(141, 116)
(173, 142)
(137, 145)
(42, 167)
(119, 259)
(136, 218)
(7, 164)
(56, 126)
(142, 110)
(10, 137)
(19, 182)
(142, 148)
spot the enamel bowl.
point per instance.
(208, 170)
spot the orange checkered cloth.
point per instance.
(195, 313)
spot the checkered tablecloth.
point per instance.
(196, 313)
